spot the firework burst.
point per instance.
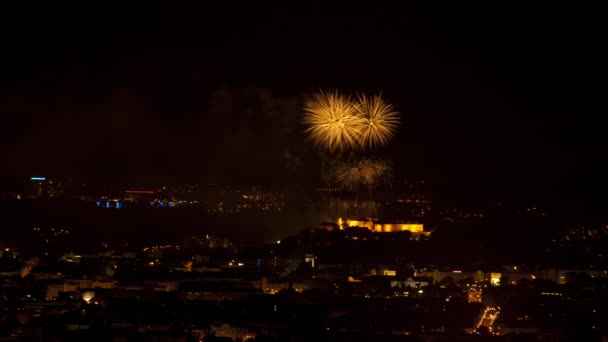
(348, 176)
(375, 172)
(381, 121)
(363, 172)
(333, 121)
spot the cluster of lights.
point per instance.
(140, 192)
(256, 200)
(417, 207)
(234, 263)
(262, 201)
(535, 211)
(583, 233)
(458, 215)
(475, 295)
(183, 202)
(401, 294)
(109, 203)
(275, 290)
(412, 201)
(326, 189)
(59, 231)
(131, 197)
(54, 232)
(488, 317)
(162, 203)
(160, 248)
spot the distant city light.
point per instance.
(140, 192)
(118, 205)
(38, 178)
(456, 271)
(278, 242)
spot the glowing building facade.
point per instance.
(417, 229)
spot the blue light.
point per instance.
(98, 203)
(152, 203)
(118, 205)
(107, 204)
(259, 262)
(162, 204)
(38, 178)
(171, 204)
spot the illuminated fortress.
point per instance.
(417, 229)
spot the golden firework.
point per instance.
(349, 176)
(381, 121)
(333, 121)
(365, 172)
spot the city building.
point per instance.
(42, 187)
(417, 229)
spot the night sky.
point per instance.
(497, 102)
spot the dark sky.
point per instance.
(497, 102)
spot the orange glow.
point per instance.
(357, 223)
(416, 229)
(474, 296)
(495, 278)
(88, 295)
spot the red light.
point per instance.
(140, 192)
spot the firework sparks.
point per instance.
(363, 172)
(374, 172)
(333, 121)
(381, 121)
(349, 176)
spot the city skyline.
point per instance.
(413, 172)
